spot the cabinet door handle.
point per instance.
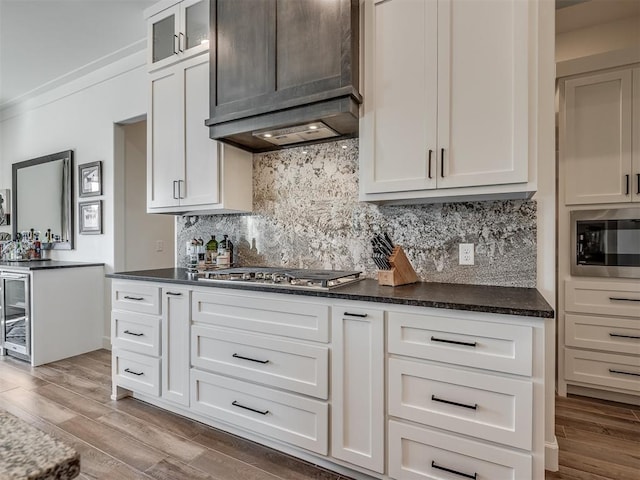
(622, 372)
(239, 405)
(134, 334)
(180, 182)
(181, 42)
(457, 404)
(627, 183)
(620, 335)
(133, 373)
(128, 297)
(176, 47)
(175, 182)
(638, 183)
(235, 355)
(455, 342)
(451, 470)
(429, 161)
(622, 299)
(442, 162)
(359, 315)
(175, 294)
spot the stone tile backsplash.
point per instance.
(307, 215)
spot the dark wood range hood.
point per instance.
(283, 72)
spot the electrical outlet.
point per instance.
(159, 245)
(466, 254)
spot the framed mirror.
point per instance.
(43, 199)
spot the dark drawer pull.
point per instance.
(235, 355)
(175, 294)
(622, 299)
(455, 342)
(450, 470)
(621, 372)
(360, 315)
(128, 297)
(239, 405)
(133, 373)
(134, 334)
(620, 335)
(449, 402)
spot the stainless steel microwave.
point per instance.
(606, 243)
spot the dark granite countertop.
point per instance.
(478, 298)
(45, 264)
(28, 453)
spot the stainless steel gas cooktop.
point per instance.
(282, 277)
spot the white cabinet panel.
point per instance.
(135, 297)
(139, 373)
(136, 332)
(420, 453)
(176, 307)
(621, 335)
(603, 298)
(357, 386)
(482, 405)
(603, 369)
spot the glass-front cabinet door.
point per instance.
(178, 32)
(14, 314)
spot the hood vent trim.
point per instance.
(298, 134)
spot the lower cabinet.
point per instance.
(370, 389)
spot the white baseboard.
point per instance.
(551, 452)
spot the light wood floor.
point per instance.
(129, 439)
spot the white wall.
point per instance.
(79, 116)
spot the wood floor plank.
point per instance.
(567, 473)
(111, 441)
(169, 469)
(102, 355)
(178, 447)
(35, 404)
(222, 466)
(598, 466)
(18, 377)
(80, 371)
(591, 425)
(82, 405)
(602, 440)
(603, 407)
(626, 457)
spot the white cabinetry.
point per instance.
(357, 386)
(444, 106)
(602, 335)
(176, 31)
(186, 170)
(176, 319)
(470, 377)
(599, 145)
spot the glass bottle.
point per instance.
(212, 250)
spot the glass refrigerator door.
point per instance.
(16, 327)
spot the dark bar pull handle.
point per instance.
(134, 334)
(638, 183)
(622, 372)
(235, 355)
(360, 315)
(442, 162)
(455, 472)
(622, 299)
(455, 342)
(175, 294)
(128, 297)
(449, 402)
(133, 373)
(627, 182)
(429, 161)
(620, 335)
(239, 405)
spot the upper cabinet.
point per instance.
(446, 100)
(187, 172)
(599, 144)
(283, 65)
(176, 31)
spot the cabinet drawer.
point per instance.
(307, 321)
(492, 346)
(485, 406)
(136, 332)
(290, 418)
(279, 363)
(604, 369)
(415, 453)
(136, 372)
(617, 335)
(603, 298)
(135, 297)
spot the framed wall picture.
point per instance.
(5, 207)
(90, 217)
(90, 179)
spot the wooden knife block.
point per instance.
(401, 273)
